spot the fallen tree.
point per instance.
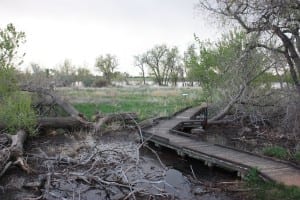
(12, 151)
(13, 155)
(75, 118)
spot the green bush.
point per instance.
(264, 190)
(252, 177)
(275, 151)
(100, 82)
(16, 112)
(297, 156)
(8, 81)
(15, 106)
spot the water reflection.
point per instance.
(179, 176)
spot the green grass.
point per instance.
(16, 113)
(276, 151)
(162, 102)
(263, 190)
(146, 102)
(297, 156)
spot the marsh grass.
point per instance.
(153, 102)
(275, 151)
(264, 190)
(16, 113)
(146, 102)
(297, 156)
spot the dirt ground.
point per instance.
(82, 165)
(251, 138)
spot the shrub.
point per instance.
(100, 83)
(264, 190)
(7, 81)
(252, 177)
(88, 81)
(297, 156)
(16, 112)
(275, 151)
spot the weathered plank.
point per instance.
(211, 154)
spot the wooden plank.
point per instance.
(187, 144)
(225, 157)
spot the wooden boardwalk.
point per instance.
(211, 154)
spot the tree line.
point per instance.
(238, 70)
(200, 65)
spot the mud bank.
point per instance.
(113, 166)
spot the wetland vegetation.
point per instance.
(70, 133)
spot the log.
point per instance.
(63, 103)
(126, 117)
(62, 122)
(13, 155)
(16, 147)
(225, 111)
(74, 122)
(148, 122)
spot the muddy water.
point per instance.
(173, 176)
(179, 175)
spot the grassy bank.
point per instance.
(154, 102)
(263, 190)
(146, 102)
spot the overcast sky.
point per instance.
(80, 30)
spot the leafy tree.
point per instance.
(201, 64)
(161, 61)
(15, 106)
(176, 74)
(66, 73)
(274, 23)
(67, 68)
(39, 76)
(10, 39)
(175, 66)
(82, 72)
(227, 70)
(122, 77)
(140, 63)
(107, 65)
(84, 75)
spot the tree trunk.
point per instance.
(128, 118)
(14, 153)
(16, 147)
(224, 112)
(62, 122)
(63, 103)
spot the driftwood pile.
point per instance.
(112, 170)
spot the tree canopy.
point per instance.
(107, 65)
(274, 22)
(163, 63)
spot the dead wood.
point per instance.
(14, 153)
(62, 122)
(227, 108)
(72, 122)
(63, 103)
(111, 167)
(16, 147)
(75, 122)
(148, 122)
(75, 118)
(127, 118)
